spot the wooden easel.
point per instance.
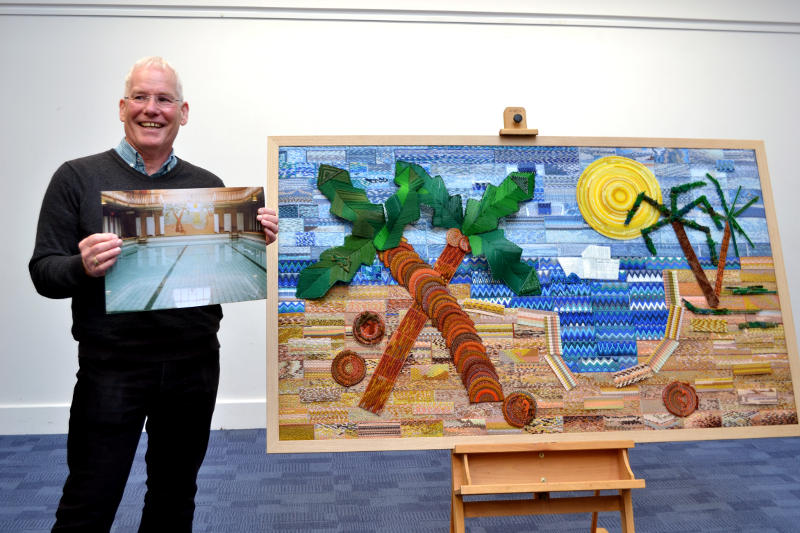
(542, 468)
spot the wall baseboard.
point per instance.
(54, 418)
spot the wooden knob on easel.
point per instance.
(514, 122)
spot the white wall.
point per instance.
(655, 69)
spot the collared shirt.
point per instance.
(132, 157)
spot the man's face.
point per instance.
(151, 128)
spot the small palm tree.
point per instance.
(729, 215)
(676, 218)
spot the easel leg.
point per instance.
(626, 511)
(456, 514)
(596, 529)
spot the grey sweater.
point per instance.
(70, 212)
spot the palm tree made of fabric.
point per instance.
(730, 216)
(676, 217)
(378, 230)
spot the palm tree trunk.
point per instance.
(694, 264)
(476, 370)
(723, 255)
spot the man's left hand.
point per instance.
(269, 223)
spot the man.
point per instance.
(159, 366)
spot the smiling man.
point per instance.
(158, 370)
(152, 112)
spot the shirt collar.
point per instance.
(135, 161)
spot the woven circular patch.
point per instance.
(451, 317)
(464, 337)
(443, 311)
(679, 398)
(455, 329)
(436, 304)
(348, 368)
(484, 389)
(400, 259)
(386, 256)
(519, 408)
(368, 328)
(477, 369)
(467, 358)
(407, 269)
(418, 279)
(428, 292)
(453, 237)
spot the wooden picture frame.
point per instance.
(763, 360)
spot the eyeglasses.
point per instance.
(162, 101)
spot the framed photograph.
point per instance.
(185, 247)
(439, 290)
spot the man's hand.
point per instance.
(269, 223)
(98, 252)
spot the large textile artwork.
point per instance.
(457, 290)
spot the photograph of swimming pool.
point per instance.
(185, 248)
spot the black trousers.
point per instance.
(111, 401)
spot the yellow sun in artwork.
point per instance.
(606, 191)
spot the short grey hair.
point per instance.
(157, 62)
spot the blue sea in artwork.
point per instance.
(601, 319)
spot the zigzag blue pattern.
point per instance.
(287, 281)
(491, 291)
(298, 306)
(648, 306)
(577, 333)
(573, 319)
(292, 265)
(579, 349)
(616, 348)
(572, 304)
(616, 334)
(651, 316)
(531, 302)
(481, 277)
(650, 333)
(472, 264)
(505, 302)
(611, 316)
(632, 263)
(666, 263)
(597, 364)
(643, 277)
(607, 305)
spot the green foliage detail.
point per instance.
(758, 324)
(339, 263)
(718, 311)
(350, 203)
(373, 231)
(447, 210)
(402, 207)
(497, 202)
(503, 257)
(730, 213)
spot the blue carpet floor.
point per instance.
(709, 486)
